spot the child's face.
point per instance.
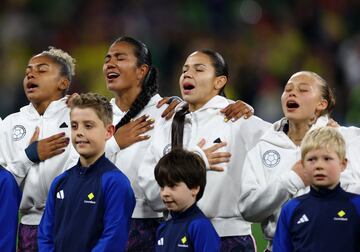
(43, 82)
(88, 133)
(302, 99)
(179, 197)
(324, 167)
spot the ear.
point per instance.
(110, 130)
(344, 164)
(195, 191)
(64, 84)
(321, 106)
(220, 82)
(142, 71)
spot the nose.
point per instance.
(79, 133)
(319, 165)
(188, 74)
(110, 63)
(29, 75)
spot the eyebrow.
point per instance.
(195, 65)
(117, 54)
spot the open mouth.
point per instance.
(82, 142)
(292, 104)
(112, 75)
(31, 85)
(188, 86)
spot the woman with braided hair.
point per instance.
(137, 107)
(129, 74)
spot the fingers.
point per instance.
(162, 102)
(139, 120)
(170, 110)
(219, 157)
(236, 110)
(215, 147)
(54, 137)
(201, 143)
(141, 138)
(143, 127)
(35, 136)
(216, 168)
(70, 98)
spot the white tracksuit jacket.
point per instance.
(35, 179)
(221, 196)
(128, 160)
(268, 179)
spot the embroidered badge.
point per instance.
(271, 158)
(167, 149)
(18, 132)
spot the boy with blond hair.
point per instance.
(89, 206)
(327, 218)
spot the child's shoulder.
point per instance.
(6, 176)
(112, 174)
(294, 203)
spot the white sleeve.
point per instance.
(147, 180)
(251, 130)
(350, 179)
(260, 198)
(111, 147)
(17, 164)
(197, 150)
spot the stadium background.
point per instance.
(264, 42)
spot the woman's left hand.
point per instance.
(236, 110)
(170, 110)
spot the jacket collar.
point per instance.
(118, 112)
(53, 108)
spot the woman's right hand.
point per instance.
(133, 131)
(299, 169)
(215, 157)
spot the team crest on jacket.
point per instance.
(167, 149)
(18, 132)
(271, 158)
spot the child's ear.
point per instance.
(110, 130)
(195, 191)
(344, 164)
(64, 84)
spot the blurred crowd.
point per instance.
(263, 41)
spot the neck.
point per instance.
(87, 161)
(297, 131)
(42, 106)
(126, 99)
(199, 104)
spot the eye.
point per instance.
(88, 126)
(73, 126)
(120, 58)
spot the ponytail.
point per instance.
(177, 128)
